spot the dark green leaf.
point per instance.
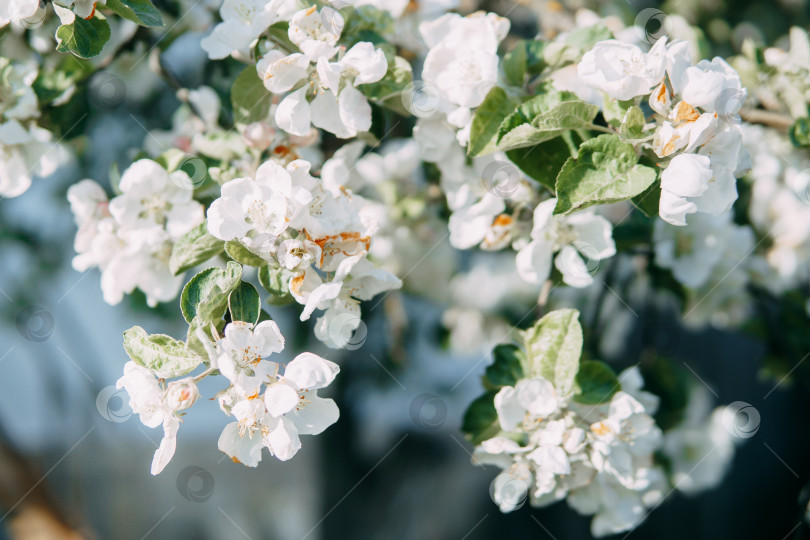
(244, 303)
(481, 419)
(488, 117)
(596, 383)
(507, 366)
(141, 12)
(83, 37)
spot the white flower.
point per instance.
(242, 352)
(148, 400)
(316, 32)
(289, 407)
(685, 179)
(281, 72)
(463, 62)
(130, 238)
(714, 86)
(242, 22)
(582, 233)
(529, 400)
(296, 398)
(182, 394)
(25, 152)
(17, 10)
(151, 196)
(700, 449)
(621, 69)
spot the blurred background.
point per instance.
(74, 464)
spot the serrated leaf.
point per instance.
(141, 12)
(243, 255)
(83, 37)
(534, 122)
(507, 366)
(488, 117)
(606, 170)
(249, 98)
(275, 280)
(244, 303)
(193, 248)
(596, 383)
(166, 356)
(481, 419)
(553, 348)
(206, 294)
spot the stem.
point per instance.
(768, 118)
(602, 129)
(203, 375)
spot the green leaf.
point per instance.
(614, 110)
(163, 354)
(243, 255)
(647, 201)
(632, 127)
(606, 170)
(596, 383)
(507, 367)
(553, 348)
(206, 295)
(481, 419)
(279, 33)
(388, 91)
(542, 118)
(249, 98)
(137, 11)
(193, 248)
(488, 117)
(275, 280)
(586, 37)
(543, 161)
(83, 37)
(526, 58)
(244, 303)
(800, 132)
(53, 83)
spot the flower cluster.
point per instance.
(25, 148)
(696, 124)
(271, 409)
(319, 238)
(130, 237)
(599, 457)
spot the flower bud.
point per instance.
(259, 135)
(182, 394)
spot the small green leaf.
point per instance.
(606, 170)
(249, 98)
(632, 127)
(141, 12)
(83, 37)
(596, 383)
(275, 280)
(488, 117)
(514, 64)
(553, 348)
(481, 419)
(507, 367)
(243, 255)
(206, 295)
(163, 354)
(800, 132)
(193, 248)
(244, 303)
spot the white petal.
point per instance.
(309, 371)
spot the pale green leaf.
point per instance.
(166, 356)
(606, 170)
(193, 248)
(553, 347)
